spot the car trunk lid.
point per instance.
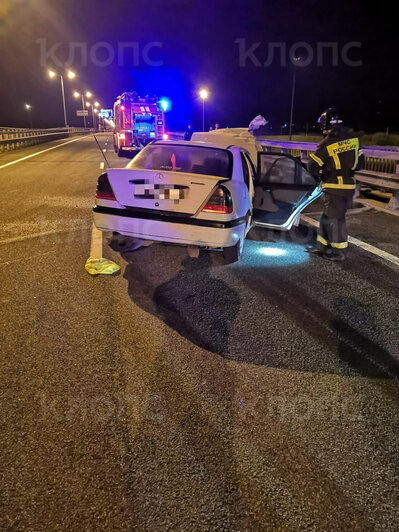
(166, 191)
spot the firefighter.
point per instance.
(334, 162)
(188, 133)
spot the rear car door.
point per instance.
(283, 188)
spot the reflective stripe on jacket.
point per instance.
(336, 159)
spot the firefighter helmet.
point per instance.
(329, 119)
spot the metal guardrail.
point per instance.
(176, 135)
(15, 138)
(378, 158)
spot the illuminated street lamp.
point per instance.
(70, 75)
(76, 94)
(96, 104)
(203, 94)
(28, 108)
(88, 94)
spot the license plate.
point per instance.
(162, 192)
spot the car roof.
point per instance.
(179, 142)
(220, 138)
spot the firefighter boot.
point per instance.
(335, 256)
(315, 250)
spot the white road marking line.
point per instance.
(37, 235)
(42, 151)
(356, 242)
(376, 251)
(96, 246)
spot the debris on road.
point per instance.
(95, 266)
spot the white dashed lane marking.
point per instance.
(359, 243)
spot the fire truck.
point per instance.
(138, 121)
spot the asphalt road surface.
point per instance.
(183, 394)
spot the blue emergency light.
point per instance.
(165, 104)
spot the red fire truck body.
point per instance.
(138, 121)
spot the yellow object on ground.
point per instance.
(96, 266)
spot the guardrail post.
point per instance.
(357, 190)
(394, 201)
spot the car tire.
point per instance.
(233, 253)
(121, 152)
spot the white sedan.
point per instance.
(206, 193)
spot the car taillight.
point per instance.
(220, 202)
(104, 190)
(165, 136)
(122, 136)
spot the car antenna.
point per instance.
(102, 152)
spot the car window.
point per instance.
(283, 169)
(251, 166)
(245, 169)
(190, 159)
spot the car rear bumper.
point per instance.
(187, 232)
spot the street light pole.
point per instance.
(203, 94)
(76, 95)
(292, 101)
(63, 99)
(93, 115)
(293, 94)
(83, 107)
(71, 75)
(89, 105)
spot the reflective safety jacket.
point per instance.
(335, 161)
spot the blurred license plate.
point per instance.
(165, 192)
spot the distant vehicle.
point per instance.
(207, 192)
(138, 121)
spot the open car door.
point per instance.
(283, 188)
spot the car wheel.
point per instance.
(233, 253)
(121, 153)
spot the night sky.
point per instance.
(198, 48)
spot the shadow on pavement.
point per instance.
(230, 311)
(354, 349)
(199, 307)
